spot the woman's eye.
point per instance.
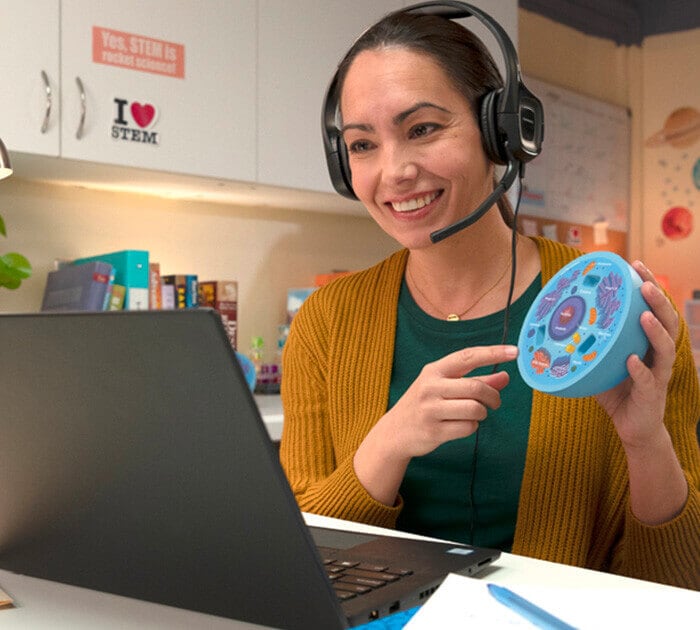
(359, 146)
(423, 129)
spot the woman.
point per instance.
(397, 417)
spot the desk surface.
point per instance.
(270, 406)
(44, 604)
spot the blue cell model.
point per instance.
(582, 326)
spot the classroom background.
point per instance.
(270, 247)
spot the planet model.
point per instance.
(681, 129)
(677, 223)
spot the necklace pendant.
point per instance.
(453, 317)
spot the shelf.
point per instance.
(112, 178)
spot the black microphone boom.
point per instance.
(500, 190)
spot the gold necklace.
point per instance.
(455, 317)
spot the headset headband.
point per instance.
(511, 119)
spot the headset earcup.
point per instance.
(344, 168)
(337, 162)
(489, 133)
(333, 144)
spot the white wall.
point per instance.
(652, 80)
(266, 250)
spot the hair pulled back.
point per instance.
(462, 56)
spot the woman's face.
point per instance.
(414, 145)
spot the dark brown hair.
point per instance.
(461, 55)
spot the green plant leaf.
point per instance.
(2, 227)
(18, 263)
(13, 269)
(9, 282)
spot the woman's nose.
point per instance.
(398, 165)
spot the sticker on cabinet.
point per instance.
(144, 116)
(137, 52)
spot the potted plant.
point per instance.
(13, 266)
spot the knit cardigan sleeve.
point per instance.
(337, 365)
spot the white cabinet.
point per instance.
(299, 46)
(246, 110)
(29, 64)
(139, 111)
(156, 84)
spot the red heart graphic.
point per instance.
(143, 114)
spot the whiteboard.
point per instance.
(582, 175)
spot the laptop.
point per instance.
(134, 461)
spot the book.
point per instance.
(116, 298)
(130, 270)
(222, 296)
(178, 282)
(108, 293)
(192, 295)
(167, 292)
(77, 287)
(155, 293)
(185, 289)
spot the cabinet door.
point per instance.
(299, 46)
(29, 32)
(165, 84)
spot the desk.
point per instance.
(270, 406)
(45, 604)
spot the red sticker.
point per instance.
(143, 114)
(137, 52)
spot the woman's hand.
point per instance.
(658, 487)
(637, 404)
(440, 405)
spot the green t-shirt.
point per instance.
(437, 489)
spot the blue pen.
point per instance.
(528, 610)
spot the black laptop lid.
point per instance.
(133, 461)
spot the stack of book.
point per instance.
(129, 280)
(98, 283)
(179, 290)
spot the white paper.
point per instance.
(465, 603)
(549, 230)
(600, 233)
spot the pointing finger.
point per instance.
(461, 362)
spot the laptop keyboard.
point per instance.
(350, 578)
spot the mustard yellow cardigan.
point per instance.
(573, 506)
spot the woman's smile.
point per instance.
(414, 203)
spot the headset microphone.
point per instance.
(501, 188)
(511, 119)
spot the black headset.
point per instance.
(511, 118)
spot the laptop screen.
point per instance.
(134, 461)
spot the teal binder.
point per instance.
(130, 270)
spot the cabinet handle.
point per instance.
(47, 114)
(81, 91)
